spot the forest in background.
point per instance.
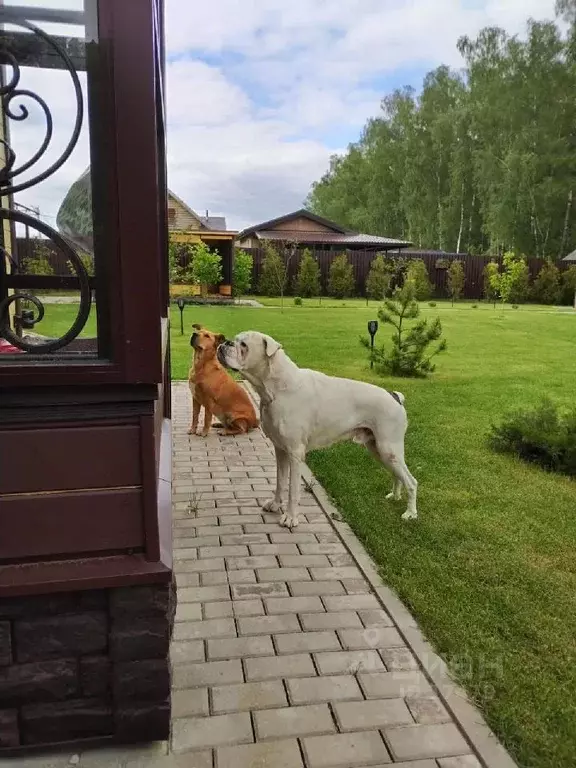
(482, 160)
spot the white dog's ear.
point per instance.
(271, 346)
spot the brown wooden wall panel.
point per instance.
(69, 458)
(52, 524)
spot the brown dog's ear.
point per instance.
(220, 338)
(197, 326)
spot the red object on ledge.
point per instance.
(8, 349)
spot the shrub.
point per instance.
(206, 267)
(515, 306)
(431, 303)
(455, 280)
(242, 272)
(491, 282)
(417, 273)
(543, 436)
(297, 301)
(408, 354)
(274, 272)
(546, 288)
(341, 278)
(307, 281)
(474, 306)
(379, 279)
(514, 281)
(39, 262)
(569, 286)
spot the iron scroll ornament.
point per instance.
(83, 283)
(9, 92)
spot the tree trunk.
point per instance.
(566, 224)
(461, 221)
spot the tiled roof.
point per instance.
(335, 238)
(218, 223)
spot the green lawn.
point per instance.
(490, 567)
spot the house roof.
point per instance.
(337, 234)
(301, 214)
(570, 257)
(216, 223)
(326, 238)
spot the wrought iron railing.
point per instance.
(20, 307)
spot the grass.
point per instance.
(490, 567)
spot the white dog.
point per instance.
(303, 409)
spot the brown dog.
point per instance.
(213, 387)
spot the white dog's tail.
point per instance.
(399, 397)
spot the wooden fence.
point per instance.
(436, 263)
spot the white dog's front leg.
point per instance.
(290, 518)
(282, 466)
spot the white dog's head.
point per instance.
(250, 352)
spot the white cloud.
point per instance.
(259, 92)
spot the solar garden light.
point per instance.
(372, 329)
(181, 304)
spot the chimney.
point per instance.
(206, 213)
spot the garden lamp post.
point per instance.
(372, 330)
(181, 304)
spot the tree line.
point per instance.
(482, 160)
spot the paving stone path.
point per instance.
(288, 651)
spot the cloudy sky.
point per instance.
(262, 92)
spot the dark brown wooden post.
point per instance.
(86, 584)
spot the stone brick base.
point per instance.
(86, 665)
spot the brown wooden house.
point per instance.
(306, 230)
(86, 595)
(186, 226)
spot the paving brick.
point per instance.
(187, 651)
(341, 560)
(345, 750)
(213, 578)
(259, 625)
(427, 710)
(248, 696)
(323, 549)
(240, 647)
(193, 566)
(292, 538)
(374, 637)
(284, 753)
(299, 642)
(199, 732)
(294, 604)
(188, 612)
(231, 551)
(326, 574)
(378, 713)
(218, 530)
(336, 620)
(194, 543)
(249, 591)
(399, 659)
(348, 662)
(414, 742)
(203, 594)
(187, 580)
(282, 574)
(293, 721)
(304, 561)
(384, 685)
(298, 588)
(244, 539)
(221, 610)
(209, 673)
(273, 549)
(185, 554)
(244, 576)
(462, 761)
(378, 618)
(350, 602)
(200, 630)
(255, 561)
(190, 702)
(308, 690)
(356, 586)
(268, 668)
